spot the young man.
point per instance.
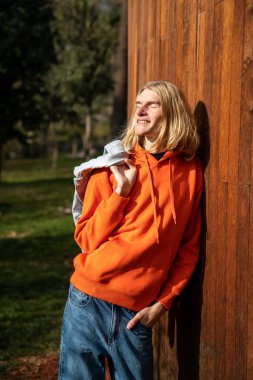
(139, 232)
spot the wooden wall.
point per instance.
(205, 47)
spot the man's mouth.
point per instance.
(142, 121)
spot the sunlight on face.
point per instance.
(148, 114)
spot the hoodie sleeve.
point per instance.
(102, 210)
(187, 255)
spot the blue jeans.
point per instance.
(93, 329)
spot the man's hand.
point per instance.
(125, 176)
(148, 316)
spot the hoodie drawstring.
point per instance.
(172, 200)
(172, 194)
(153, 199)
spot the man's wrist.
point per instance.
(159, 307)
(122, 191)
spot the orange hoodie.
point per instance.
(142, 249)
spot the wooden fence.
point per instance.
(206, 48)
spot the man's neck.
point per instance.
(148, 144)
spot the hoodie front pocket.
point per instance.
(140, 281)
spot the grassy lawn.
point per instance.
(36, 253)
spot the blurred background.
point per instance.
(63, 88)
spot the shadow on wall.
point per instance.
(186, 310)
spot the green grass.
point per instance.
(36, 253)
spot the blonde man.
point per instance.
(139, 232)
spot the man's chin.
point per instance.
(145, 135)
(141, 133)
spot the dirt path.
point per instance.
(39, 368)
(35, 368)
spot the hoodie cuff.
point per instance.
(166, 301)
(116, 203)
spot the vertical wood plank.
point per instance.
(164, 53)
(157, 69)
(242, 280)
(227, 42)
(243, 221)
(164, 17)
(204, 86)
(179, 10)
(151, 56)
(142, 24)
(189, 74)
(234, 132)
(171, 58)
(132, 53)
(247, 120)
(219, 220)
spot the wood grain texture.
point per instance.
(247, 121)
(206, 48)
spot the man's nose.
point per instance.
(141, 110)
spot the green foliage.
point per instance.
(85, 40)
(57, 63)
(36, 253)
(26, 49)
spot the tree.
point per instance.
(85, 39)
(26, 51)
(56, 65)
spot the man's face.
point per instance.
(148, 114)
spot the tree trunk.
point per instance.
(53, 144)
(74, 147)
(87, 135)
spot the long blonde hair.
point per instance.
(178, 130)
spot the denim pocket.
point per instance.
(78, 298)
(139, 326)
